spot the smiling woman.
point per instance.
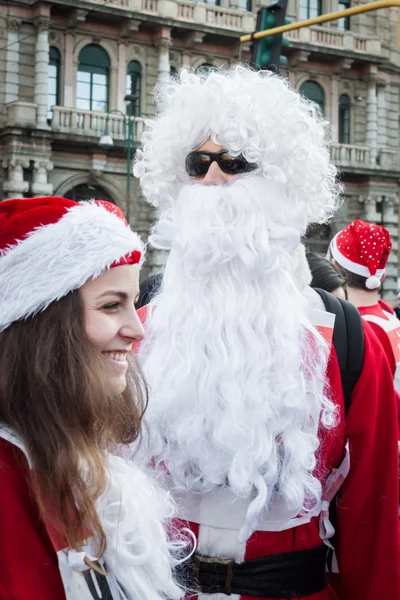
(71, 397)
(111, 321)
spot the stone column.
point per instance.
(40, 185)
(15, 186)
(163, 43)
(186, 59)
(370, 214)
(69, 71)
(335, 109)
(372, 122)
(381, 116)
(121, 86)
(12, 62)
(42, 71)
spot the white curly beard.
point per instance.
(233, 383)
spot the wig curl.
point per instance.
(252, 113)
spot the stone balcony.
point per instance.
(185, 11)
(356, 158)
(73, 121)
(86, 125)
(326, 37)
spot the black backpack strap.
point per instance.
(348, 339)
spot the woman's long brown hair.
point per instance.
(54, 393)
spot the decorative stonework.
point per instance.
(129, 27)
(15, 186)
(42, 24)
(13, 24)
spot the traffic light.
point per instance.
(266, 52)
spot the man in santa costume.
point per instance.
(246, 419)
(360, 252)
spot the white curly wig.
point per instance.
(252, 113)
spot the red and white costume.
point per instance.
(368, 560)
(387, 328)
(246, 419)
(48, 248)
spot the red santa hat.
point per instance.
(51, 246)
(363, 248)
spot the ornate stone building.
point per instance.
(69, 74)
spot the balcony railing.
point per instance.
(361, 157)
(198, 12)
(346, 155)
(92, 124)
(334, 38)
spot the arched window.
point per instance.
(344, 119)
(314, 92)
(134, 87)
(53, 94)
(308, 9)
(84, 192)
(92, 79)
(205, 69)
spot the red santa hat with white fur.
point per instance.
(51, 246)
(363, 248)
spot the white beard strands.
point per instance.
(234, 385)
(135, 514)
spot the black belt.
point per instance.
(286, 575)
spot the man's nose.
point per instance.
(215, 176)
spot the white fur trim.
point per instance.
(373, 282)
(222, 544)
(58, 258)
(350, 265)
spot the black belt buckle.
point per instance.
(229, 573)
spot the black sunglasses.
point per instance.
(198, 163)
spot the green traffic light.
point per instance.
(265, 50)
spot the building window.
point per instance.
(245, 5)
(344, 24)
(85, 192)
(213, 2)
(314, 92)
(134, 87)
(344, 119)
(309, 9)
(205, 69)
(53, 94)
(92, 79)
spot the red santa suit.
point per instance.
(368, 560)
(37, 562)
(386, 327)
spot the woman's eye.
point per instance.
(112, 306)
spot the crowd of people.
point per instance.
(237, 435)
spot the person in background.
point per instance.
(246, 421)
(360, 253)
(148, 289)
(325, 276)
(397, 307)
(77, 521)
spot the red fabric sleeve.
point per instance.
(368, 539)
(386, 345)
(28, 563)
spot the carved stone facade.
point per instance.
(50, 142)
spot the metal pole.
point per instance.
(128, 167)
(348, 12)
